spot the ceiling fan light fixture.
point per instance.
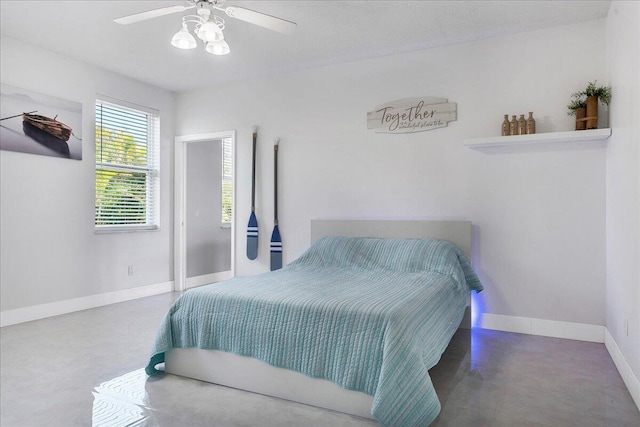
(217, 48)
(183, 39)
(210, 32)
(207, 26)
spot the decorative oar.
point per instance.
(19, 115)
(276, 241)
(252, 228)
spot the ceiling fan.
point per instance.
(207, 26)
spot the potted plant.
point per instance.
(578, 107)
(593, 93)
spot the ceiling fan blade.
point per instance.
(143, 16)
(261, 19)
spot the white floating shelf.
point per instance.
(540, 138)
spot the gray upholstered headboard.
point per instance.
(457, 232)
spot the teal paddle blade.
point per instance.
(276, 249)
(252, 237)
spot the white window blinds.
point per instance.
(227, 180)
(127, 166)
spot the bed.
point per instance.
(354, 324)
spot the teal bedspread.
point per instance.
(372, 315)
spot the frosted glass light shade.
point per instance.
(218, 48)
(183, 39)
(210, 32)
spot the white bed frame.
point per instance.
(253, 375)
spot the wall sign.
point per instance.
(412, 115)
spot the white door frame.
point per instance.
(180, 207)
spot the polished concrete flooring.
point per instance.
(84, 369)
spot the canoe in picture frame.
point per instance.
(46, 139)
(49, 125)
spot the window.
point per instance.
(127, 166)
(227, 181)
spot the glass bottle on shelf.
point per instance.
(531, 124)
(522, 125)
(505, 126)
(513, 126)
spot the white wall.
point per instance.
(539, 216)
(49, 251)
(623, 181)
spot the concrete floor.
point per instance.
(85, 369)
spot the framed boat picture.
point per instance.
(35, 123)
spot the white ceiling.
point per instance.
(328, 32)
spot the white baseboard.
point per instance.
(629, 378)
(542, 327)
(205, 279)
(567, 330)
(35, 312)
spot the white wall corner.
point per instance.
(542, 327)
(629, 378)
(35, 312)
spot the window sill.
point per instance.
(112, 230)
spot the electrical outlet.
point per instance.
(130, 270)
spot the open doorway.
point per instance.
(204, 214)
